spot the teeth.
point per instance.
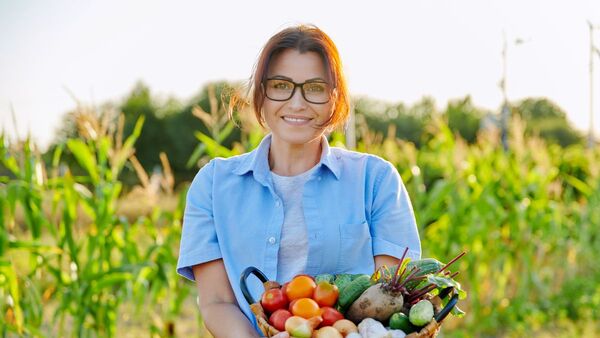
(293, 119)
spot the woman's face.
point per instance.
(296, 121)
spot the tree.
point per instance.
(548, 120)
(409, 122)
(152, 139)
(464, 118)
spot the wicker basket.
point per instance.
(430, 330)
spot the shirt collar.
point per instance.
(257, 160)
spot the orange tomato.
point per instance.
(300, 287)
(326, 294)
(292, 304)
(306, 308)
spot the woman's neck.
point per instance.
(286, 159)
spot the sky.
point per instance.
(398, 51)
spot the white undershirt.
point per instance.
(293, 248)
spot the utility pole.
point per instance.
(593, 48)
(506, 112)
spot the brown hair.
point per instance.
(303, 38)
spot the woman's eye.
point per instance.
(315, 87)
(281, 85)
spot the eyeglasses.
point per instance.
(317, 92)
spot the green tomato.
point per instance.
(421, 313)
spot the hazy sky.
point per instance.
(392, 50)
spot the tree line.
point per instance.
(171, 126)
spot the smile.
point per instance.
(296, 120)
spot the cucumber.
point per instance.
(354, 276)
(342, 280)
(400, 321)
(352, 291)
(325, 277)
(426, 266)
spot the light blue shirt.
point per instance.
(355, 207)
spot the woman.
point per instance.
(293, 205)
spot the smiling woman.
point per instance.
(294, 205)
(295, 122)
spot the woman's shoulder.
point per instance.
(352, 157)
(223, 166)
(230, 162)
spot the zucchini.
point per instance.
(352, 291)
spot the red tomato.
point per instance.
(326, 294)
(284, 288)
(330, 316)
(278, 319)
(273, 299)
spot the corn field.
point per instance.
(73, 263)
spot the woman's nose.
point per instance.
(297, 101)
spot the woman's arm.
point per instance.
(392, 223)
(220, 311)
(381, 260)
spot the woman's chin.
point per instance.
(297, 137)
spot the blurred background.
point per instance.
(489, 110)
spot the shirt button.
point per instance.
(319, 178)
(277, 204)
(272, 240)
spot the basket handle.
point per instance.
(449, 306)
(254, 271)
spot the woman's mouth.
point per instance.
(296, 120)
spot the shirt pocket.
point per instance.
(356, 248)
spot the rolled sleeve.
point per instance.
(199, 242)
(383, 247)
(393, 225)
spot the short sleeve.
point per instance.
(393, 225)
(199, 243)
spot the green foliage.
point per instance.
(529, 217)
(528, 226)
(409, 123)
(85, 273)
(464, 118)
(549, 121)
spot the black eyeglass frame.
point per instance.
(296, 85)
